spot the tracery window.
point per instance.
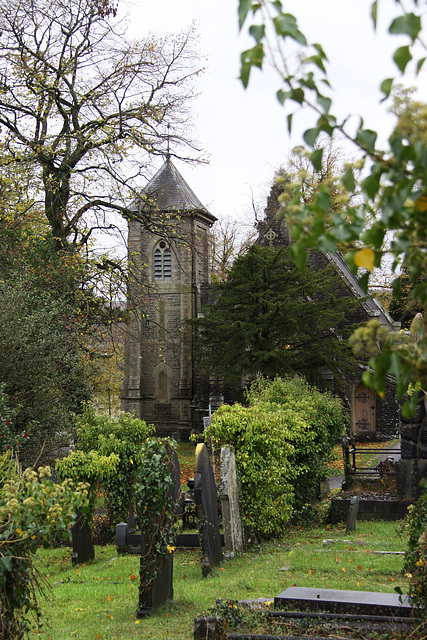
(162, 262)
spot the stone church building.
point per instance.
(370, 417)
(169, 264)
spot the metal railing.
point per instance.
(351, 467)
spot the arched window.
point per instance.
(162, 262)
(162, 387)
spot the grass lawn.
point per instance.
(98, 600)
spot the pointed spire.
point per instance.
(168, 191)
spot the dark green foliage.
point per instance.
(42, 370)
(125, 438)
(404, 305)
(282, 442)
(269, 319)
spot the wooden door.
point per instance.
(365, 411)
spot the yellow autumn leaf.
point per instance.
(421, 203)
(365, 258)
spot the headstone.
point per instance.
(121, 534)
(81, 535)
(206, 629)
(352, 514)
(229, 495)
(205, 495)
(162, 588)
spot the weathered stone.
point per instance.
(337, 601)
(409, 475)
(205, 495)
(206, 629)
(229, 495)
(352, 514)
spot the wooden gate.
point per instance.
(365, 411)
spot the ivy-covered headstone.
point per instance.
(156, 494)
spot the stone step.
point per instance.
(337, 601)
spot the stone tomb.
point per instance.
(337, 601)
(205, 495)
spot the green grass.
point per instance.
(99, 600)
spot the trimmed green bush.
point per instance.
(282, 442)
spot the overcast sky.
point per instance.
(244, 133)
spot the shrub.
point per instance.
(32, 510)
(415, 563)
(122, 439)
(282, 442)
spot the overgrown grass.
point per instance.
(99, 600)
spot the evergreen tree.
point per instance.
(270, 319)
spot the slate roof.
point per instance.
(372, 307)
(167, 191)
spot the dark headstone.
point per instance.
(352, 514)
(162, 588)
(337, 601)
(206, 629)
(205, 495)
(83, 549)
(161, 591)
(121, 534)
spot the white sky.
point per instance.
(244, 133)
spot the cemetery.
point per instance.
(318, 578)
(216, 588)
(196, 446)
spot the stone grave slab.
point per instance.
(205, 496)
(338, 601)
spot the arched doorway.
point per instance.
(365, 411)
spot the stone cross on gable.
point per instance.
(270, 235)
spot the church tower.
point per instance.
(169, 263)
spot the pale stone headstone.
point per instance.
(205, 495)
(229, 495)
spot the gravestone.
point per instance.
(205, 495)
(229, 495)
(352, 514)
(81, 535)
(162, 588)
